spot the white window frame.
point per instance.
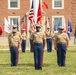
(14, 17)
(14, 7)
(57, 7)
(53, 21)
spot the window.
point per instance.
(58, 4)
(13, 4)
(55, 21)
(14, 20)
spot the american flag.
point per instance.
(31, 13)
(33, 25)
(31, 16)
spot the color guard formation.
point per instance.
(38, 40)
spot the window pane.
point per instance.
(58, 3)
(56, 20)
(14, 3)
(14, 21)
(13, 0)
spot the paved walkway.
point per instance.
(4, 43)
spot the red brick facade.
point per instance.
(69, 11)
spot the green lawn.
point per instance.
(26, 64)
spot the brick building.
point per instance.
(17, 9)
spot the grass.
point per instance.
(26, 64)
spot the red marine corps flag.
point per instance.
(45, 4)
(39, 14)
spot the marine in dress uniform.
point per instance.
(23, 44)
(38, 38)
(19, 34)
(49, 39)
(14, 42)
(61, 45)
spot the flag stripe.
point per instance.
(31, 16)
(31, 13)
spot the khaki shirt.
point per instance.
(30, 33)
(19, 34)
(38, 37)
(13, 40)
(61, 37)
(48, 34)
(23, 36)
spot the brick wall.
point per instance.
(68, 11)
